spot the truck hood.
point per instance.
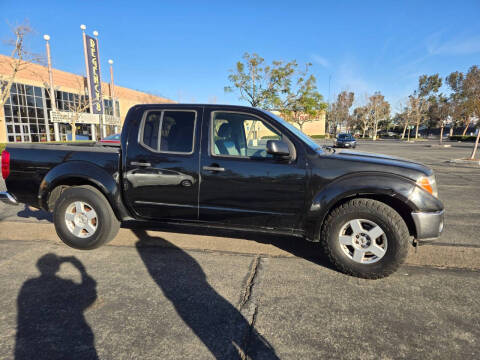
(362, 161)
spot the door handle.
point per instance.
(136, 163)
(213, 168)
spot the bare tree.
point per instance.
(20, 58)
(339, 112)
(78, 107)
(74, 109)
(361, 118)
(401, 117)
(378, 109)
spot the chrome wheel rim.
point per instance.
(363, 241)
(81, 219)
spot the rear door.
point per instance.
(161, 173)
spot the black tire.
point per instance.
(392, 224)
(106, 228)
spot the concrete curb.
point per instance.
(472, 163)
(427, 255)
(439, 146)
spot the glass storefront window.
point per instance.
(38, 92)
(29, 90)
(27, 111)
(24, 114)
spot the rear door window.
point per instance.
(169, 131)
(177, 131)
(150, 130)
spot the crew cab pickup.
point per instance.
(234, 167)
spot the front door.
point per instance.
(240, 183)
(161, 175)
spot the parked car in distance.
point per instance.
(207, 166)
(387, 134)
(345, 141)
(111, 139)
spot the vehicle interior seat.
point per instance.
(226, 143)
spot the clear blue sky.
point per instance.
(184, 49)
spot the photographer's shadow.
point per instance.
(217, 323)
(51, 322)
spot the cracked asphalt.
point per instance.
(165, 295)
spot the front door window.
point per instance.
(241, 135)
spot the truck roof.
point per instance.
(186, 105)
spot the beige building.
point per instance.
(313, 127)
(26, 115)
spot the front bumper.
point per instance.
(8, 198)
(429, 225)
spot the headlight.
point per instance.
(428, 184)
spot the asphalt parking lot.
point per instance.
(167, 295)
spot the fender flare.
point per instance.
(356, 185)
(91, 174)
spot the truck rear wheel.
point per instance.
(84, 219)
(365, 238)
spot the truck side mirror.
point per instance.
(278, 148)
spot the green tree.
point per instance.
(438, 112)
(471, 87)
(465, 98)
(461, 113)
(255, 81)
(297, 97)
(428, 86)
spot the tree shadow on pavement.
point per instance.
(218, 324)
(50, 321)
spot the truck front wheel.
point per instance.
(84, 219)
(365, 238)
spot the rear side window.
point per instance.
(150, 130)
(177, 131)
(169, 131)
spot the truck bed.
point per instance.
(30, 163)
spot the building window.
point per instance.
(24, 114)
(108, 107)
(66, 101)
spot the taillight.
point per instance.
(5, 164)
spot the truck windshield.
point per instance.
(304, 137)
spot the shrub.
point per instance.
(2, 146)
(318, 136)
(462, 138)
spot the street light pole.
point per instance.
(52, 90)
(112, 92)
(87, 71)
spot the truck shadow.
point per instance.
(50, 320)
(310, 251)
(37, 214)
(215, 321)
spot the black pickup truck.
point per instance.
(232, 167)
